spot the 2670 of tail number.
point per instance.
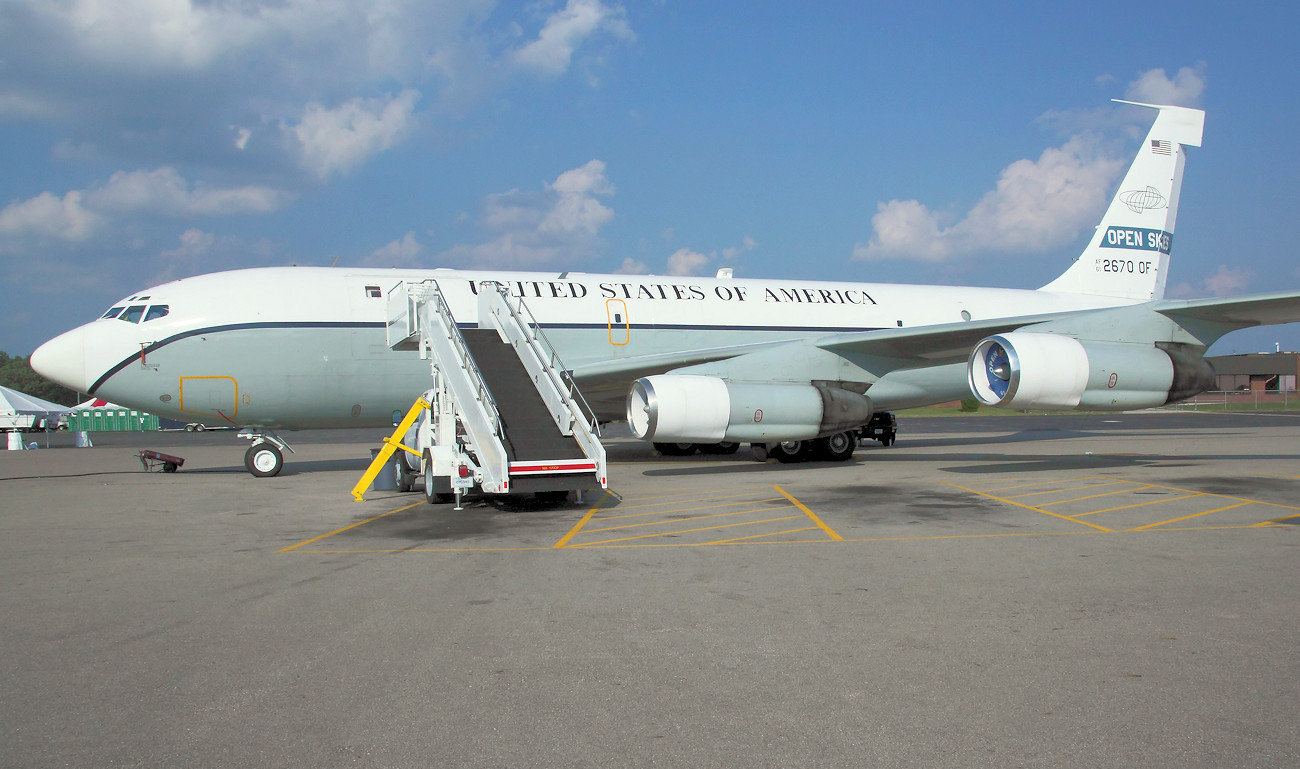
(1124, 265)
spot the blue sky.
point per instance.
(143, 140)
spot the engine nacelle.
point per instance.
(686, 408)
(1029, 370)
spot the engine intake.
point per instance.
(1030, 370)
(687, 408)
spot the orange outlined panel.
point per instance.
(210, 396)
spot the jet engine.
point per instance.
(688, 408)
(1029, 370)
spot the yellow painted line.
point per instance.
(1029, 507)
(672, 499)
(1162, 500)
(1068, 488)
(1039, 483)
(1229, 496)
(811, 515)
(1094, 496)
(1188, 517)
(346, 528)
(578, 527)
(687, 531)
(1275, 520)
(670, 521)
(736, 540)
(673, 510)
(430, 550)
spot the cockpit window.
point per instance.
(155, 312)
(132, 314)
(113, 313)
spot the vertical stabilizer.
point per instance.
(1128, 256)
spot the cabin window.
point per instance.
(374, 293)
(155, 312)
(113, 313)
(133, 313)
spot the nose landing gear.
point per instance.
(265, 458)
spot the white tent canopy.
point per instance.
(23, 410)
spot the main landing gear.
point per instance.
(839, 447)
(265, 458)
(832, 448)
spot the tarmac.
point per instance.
(1078, 591)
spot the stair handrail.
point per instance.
(428, 291)
(560, 376)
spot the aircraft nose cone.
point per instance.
(63, 360)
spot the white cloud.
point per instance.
(566, 30)
(200, 252)
(47, 216)
(195, 243)
(1036, 205)
(559, 224)
(577, 209)
(1154, 87)
(163, 191)
(399, 253)
(686, 262)
(157, 82)
(631, 266)
(337, 140)
(1226, 281)
(747, 244)
(80, 214)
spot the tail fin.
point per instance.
(1129, 253)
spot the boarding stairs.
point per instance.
(503, 415)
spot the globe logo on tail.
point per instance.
(1138, 201)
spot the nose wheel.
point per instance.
(265, 458)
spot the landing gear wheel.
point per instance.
(787, 452)
(263, 460)
(726, 447)
(836, 448)
(675, 449)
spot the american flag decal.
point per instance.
(1161, 147)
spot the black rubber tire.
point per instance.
(169, 467)
(676, 449)
(726, 447)
(263, 460)
(835, 448)
(788, 452)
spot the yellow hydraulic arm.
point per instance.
(390, 446)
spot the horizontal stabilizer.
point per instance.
(1236, 312)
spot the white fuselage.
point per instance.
(301, 347)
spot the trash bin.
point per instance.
(387, 478)
(15, 441)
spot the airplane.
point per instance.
(794, 367)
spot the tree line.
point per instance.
(16, 373)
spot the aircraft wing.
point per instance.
(923, 345)
(1238, 312)
(928, 345)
